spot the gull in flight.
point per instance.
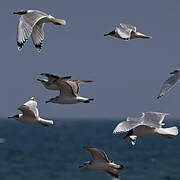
(169, 83)
(31, 24)
(149, 124)
(30, 114)
(49, 83)
(126, 32)
(100, 161)
(69, 91)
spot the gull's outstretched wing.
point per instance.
(52, 77)
(97, 154)
(66, 87)
(127, 125)
(38, 35)
(113, 172)
(168, 84)
(127, 26)
(154, 119)
(30, 108)
(26, 24)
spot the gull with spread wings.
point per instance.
(100, 161)
(149, 124)
(69, 91)
(126, 32)
(169, 83)
(30, 114)
(31, 24)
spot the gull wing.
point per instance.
(30, 109)
(168, 84)
(127, 125)
(97, 154)
(38, 35)
(127, 26)
(66, 87)
(113, 172)
(52, 77)
(26, 24)
(78, 82)
(154, 119)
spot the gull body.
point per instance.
(149, 124)
(69, 92)
(30, 114)
(126, 32)
(100, 161)
(31, 24)
(169, 83)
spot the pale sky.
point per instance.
(127, 75)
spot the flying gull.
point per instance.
(100, 161)
(169, 83)
(69, 92)
(31, 24)
(126, 32)
(149, 124)
(30, 114)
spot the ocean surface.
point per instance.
(34, 152)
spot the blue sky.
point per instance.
(127, 75)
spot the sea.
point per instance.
(35, 152)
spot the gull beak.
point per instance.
(126, 136)
(121, 167)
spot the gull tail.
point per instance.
(170, 131)
(45, 122)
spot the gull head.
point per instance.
(112, 33)
(174, 72)
(21, 12)
(17, 116)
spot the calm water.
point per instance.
(32, 152)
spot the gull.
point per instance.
(101, 162)
(31, 24)
(69, 92)
(49, 83)
(149, 124)
(126, 32)
(169, 83)
(30, 114)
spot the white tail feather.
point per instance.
(170, 131)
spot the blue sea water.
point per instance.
(34, 152)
